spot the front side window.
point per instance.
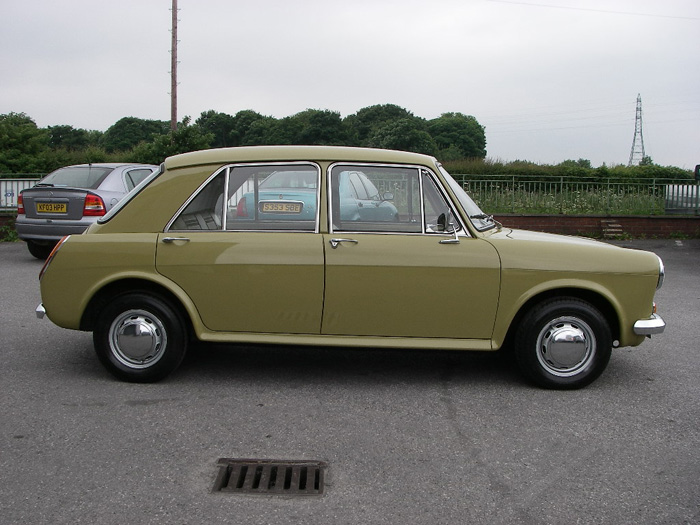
(375, 199)
(276, 197)
(388, 199)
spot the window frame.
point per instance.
(224, 222)
(463, 231)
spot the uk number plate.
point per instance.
(51, 207)
(281, 207)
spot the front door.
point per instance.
(406, 275)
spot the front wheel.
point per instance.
(140, 338)
(563, 343)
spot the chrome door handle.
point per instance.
(336, 242)
(173, 239)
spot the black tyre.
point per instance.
(563, 343)
(40, 251)
(140, 338)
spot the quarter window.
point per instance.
(134, 177)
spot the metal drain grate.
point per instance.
(270, 477)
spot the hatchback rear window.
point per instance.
(88, 177)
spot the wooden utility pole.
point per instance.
(173, 71)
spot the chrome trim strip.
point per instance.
(227, 168)
(651, 326)
(662, 273)
(462, 232)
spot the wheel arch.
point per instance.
(596, 299)
(131, 285)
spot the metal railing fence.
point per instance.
(10, 189)
(561, 195)
(516, 194)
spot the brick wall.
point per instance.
(592, 225)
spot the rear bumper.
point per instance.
(651, 326)
(42, 230)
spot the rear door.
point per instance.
(246, 273)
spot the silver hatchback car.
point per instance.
(70, 199)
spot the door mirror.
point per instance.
(387, 196)
(445, 223)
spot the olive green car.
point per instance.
(174, 262)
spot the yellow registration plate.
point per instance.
(281, 207)
(51, 207)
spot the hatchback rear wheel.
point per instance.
(140, 338)
(39, 250)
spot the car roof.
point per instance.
(295, 153)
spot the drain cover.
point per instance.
(270, 477)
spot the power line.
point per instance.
(590, 9)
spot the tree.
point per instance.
(456, 130)
(68, 138)
(367, 120)
(128, 132)
(259, 132)
(221, 126)
(402, 134)
(243, 120)
(22, 144)
(580, 163)
(322, 127)
(185, 138)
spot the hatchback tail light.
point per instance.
(94, 206)
(241, 208)
(20, 205)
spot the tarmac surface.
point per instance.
(409, 437)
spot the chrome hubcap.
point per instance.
(566, 346)
(137, 339)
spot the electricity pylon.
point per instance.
(637, 152)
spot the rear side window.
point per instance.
(277, 197)
(273, 197)
(88, 177)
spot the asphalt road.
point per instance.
(410, 437)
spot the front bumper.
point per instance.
(651, 326)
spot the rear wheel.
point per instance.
(40, 251)
(140, 338)
(563, 343)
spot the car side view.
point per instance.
(334, 246)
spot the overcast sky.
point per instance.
(550, 80)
